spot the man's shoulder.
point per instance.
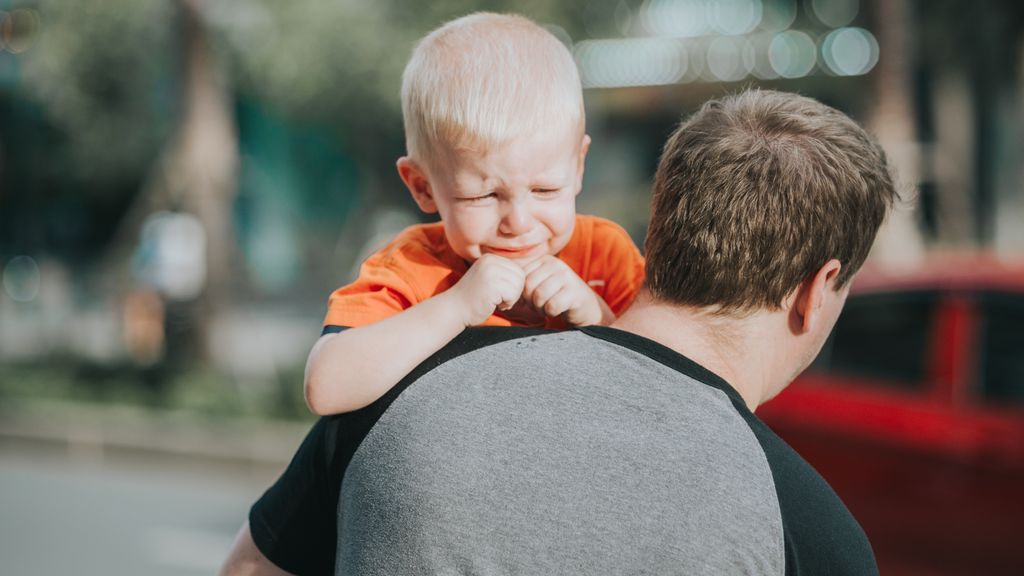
(820, 533)
(472, 340)
(478, 337)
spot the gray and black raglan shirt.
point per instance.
(516, 451)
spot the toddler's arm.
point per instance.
(352, 369)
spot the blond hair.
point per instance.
(484, 79)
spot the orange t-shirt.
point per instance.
(419, 264)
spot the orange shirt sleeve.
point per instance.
(616, 260)
(378, 292)
(412, 268)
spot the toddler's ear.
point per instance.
(417, 182)
(584, 148)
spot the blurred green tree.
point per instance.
(99, 70)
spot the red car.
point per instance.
(914, 412)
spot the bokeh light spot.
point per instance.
(630, 62)
(727, 60)
(678, 18)
(22, 279)
(792, 54)
(18, 30)
(850, 51)
(734, 17)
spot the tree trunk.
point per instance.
(899, 241)
(202, 165)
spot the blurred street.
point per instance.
(98, 508)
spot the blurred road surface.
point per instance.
(111, 514)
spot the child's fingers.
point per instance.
(541, 272)
(559, 302)
(542, 294)
(491, 262)
(534, 279)
(542, 261)
(495, 270)
(509, 286)
(513, 274)
(507, 302)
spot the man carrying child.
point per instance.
(619, 449)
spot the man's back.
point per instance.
(593, 451)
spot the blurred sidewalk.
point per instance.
(247, 341)
(94, 432)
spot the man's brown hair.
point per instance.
(757, 191)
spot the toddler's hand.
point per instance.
(491, 282)
(552, 286)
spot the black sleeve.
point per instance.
(293, 523)
(821, 536)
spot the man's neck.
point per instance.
(740, 350)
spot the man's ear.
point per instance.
(416, 180)
(805, 302)
(584, 148)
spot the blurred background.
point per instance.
(183, 182)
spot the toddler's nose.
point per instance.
(517, 219)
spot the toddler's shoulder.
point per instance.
(605, 228)
(603, 234)
(419, 243)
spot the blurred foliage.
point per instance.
(339, 60)
(106, 73)
(200, 390)
(99, 97)
(97, 69)
(339, 63)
